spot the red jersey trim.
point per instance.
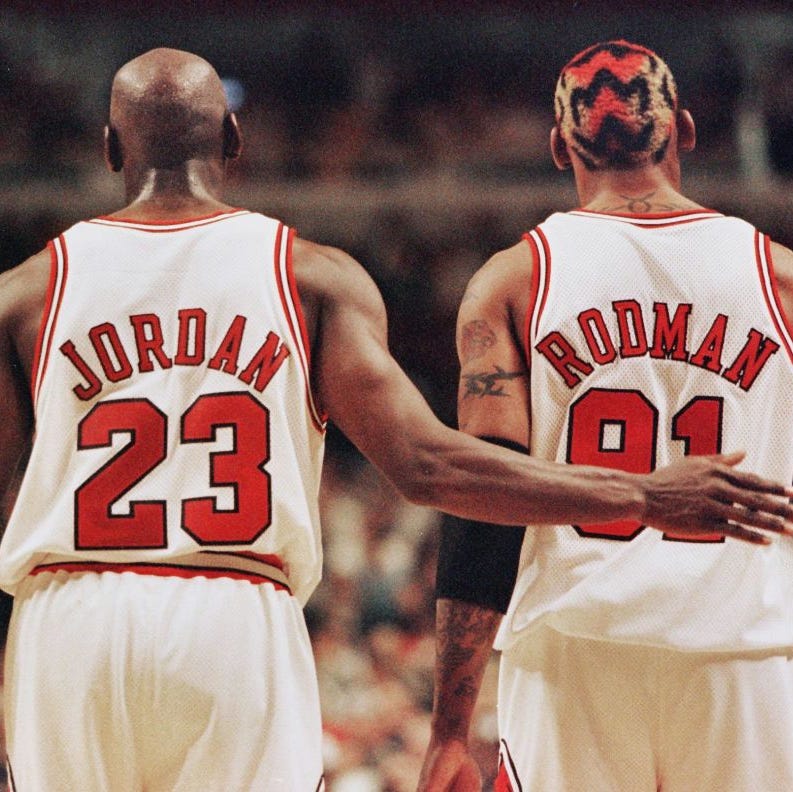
(547, 282)
(507, 779)
(59, 268)
(167, 226)
(264, 558)
(534, 289)
(301, 321)
(542, 262)
(765, 269)
(160, 570)
(34, 372)
(290, 302)
(651, 219)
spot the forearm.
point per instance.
(477, 480)
(464, 642)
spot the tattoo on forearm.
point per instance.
(460, 634)
(488, 384)
(477, 339)
(455, 656)
(465, 636)
(466, 687)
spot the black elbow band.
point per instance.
(478, 562)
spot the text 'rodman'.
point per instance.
(669, 338)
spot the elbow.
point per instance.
(421, 493)
(423, 481)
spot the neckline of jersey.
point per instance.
(650, 216)
(172, 224)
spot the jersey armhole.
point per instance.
(768, 281)
(57, 281)
(538, 289)
(290, 299)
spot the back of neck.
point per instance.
(192, 189)
(647, 190)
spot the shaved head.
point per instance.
(167, 107)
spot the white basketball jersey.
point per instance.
(649, 338)
(174, 420)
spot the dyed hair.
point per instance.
(615, 105)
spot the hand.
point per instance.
(449, 767)
(707, 494)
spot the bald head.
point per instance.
(168, 107)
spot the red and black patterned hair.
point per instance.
(615, 105)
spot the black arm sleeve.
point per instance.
(478, 562)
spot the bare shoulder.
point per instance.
(307, 253)
(313, 261)
(23, 291)
(783, 261)
(25, 280)
(502, 284)
(327, 276)
(782, 258)
(505, 266)
(23, 295)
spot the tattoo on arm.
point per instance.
(477, 339)
(465, 632)
(466, 687)
(483, 384)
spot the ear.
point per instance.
(559, 152)
(113, 155)
(232, 137)
(686, 131)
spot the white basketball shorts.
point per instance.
(577, 714)
(126, 682)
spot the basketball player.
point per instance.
(178, 360)
(631, 659)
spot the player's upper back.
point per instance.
(129, 299)
(694, 291)
(186, 338)
(650, 338)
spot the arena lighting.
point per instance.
(235, 93)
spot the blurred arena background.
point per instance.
(415, 137)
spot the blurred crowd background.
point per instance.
(413, 135)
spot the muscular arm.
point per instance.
(782, 258)
(22, 295)
(493, 401)
(364, 391)
(464, 637)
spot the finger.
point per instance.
(751, 481)
(744, 534)
(730, 525)
(731, 459)
(755, 502)
(755, 519)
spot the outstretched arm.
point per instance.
(363, 389)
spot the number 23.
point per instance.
(96, 527)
